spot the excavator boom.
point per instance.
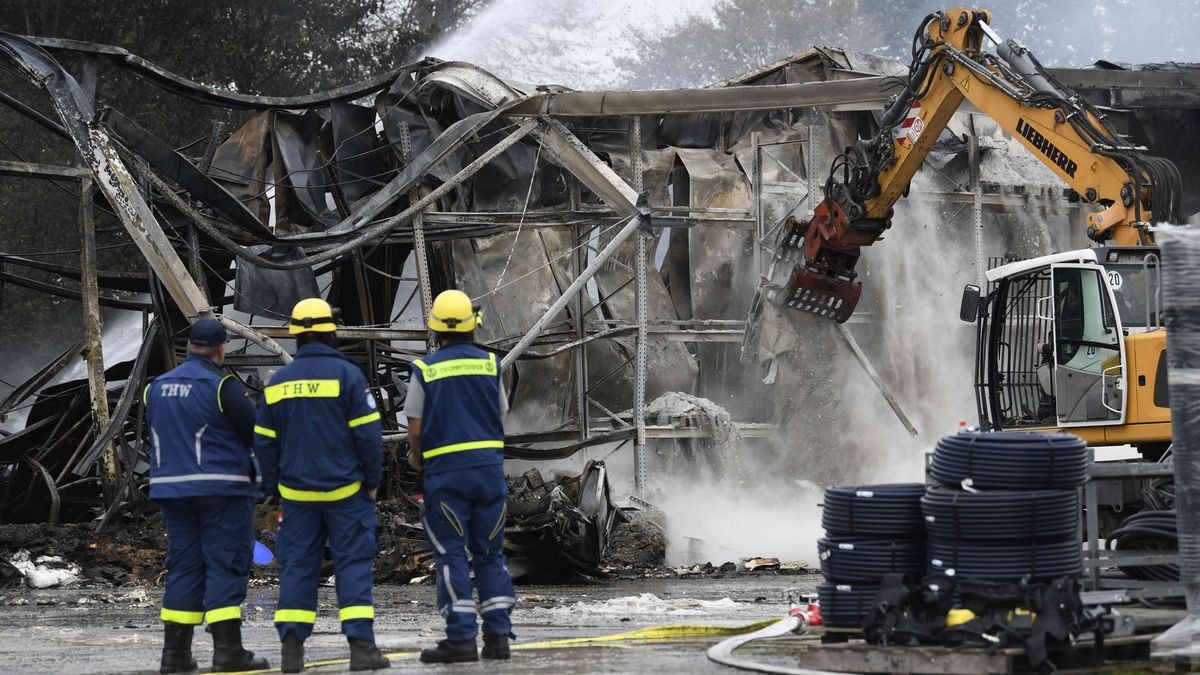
(950, 64)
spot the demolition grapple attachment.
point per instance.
(826, 249)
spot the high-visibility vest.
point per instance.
(194, 449)
(461, 426)
(318, 429)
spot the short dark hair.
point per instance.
(200, 350)
(327, 338)
(450, 338)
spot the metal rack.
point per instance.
(1095, 559)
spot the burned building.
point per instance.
(622, 246)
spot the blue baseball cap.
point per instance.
(208, 333)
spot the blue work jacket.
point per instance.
(195, 449)
(461, 425)
(318, 434)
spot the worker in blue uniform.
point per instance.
(455, 407)
(318, 437)
(203, 476)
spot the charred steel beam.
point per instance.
(34, 115)
(218, 97)
(884, 390)
(864, 93)
(135, 282)
(1135, 88)
(634, 224)
(175, 166)
(69, 293)
(414, 171)
(1132, 88)
(42, 171)
(93, 348)
(132, 392)
(1002, 200)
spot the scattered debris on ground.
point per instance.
(46, 571)
(559, 527)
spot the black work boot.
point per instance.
(292, 653)
(364, 655)
(228, 654)
(177, 648)
(448, 651)
(495, 647)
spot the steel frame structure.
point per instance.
(100, 166)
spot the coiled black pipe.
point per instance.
(1148, 531)
(1002, 514)
(1010, 461)
(859, 560)
(845, 606)
(892, 511)
(1006, 561)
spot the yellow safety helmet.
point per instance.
(453, 312)
(312, 315)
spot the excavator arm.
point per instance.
(950, 63)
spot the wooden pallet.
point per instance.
(860, 657)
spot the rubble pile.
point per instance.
(559, 528)
(131, 554)
(404, 553)
(675, 406)
(636, 545)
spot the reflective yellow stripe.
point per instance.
(177, 616)
(145, 395)
(357, 612)
(223, 614)
(457, 368)
(264, 431)
(459, 447)
(365, 419)
(220, 405)
(317, 496)
(295, 616)
(303, 389)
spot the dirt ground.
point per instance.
(118, 631)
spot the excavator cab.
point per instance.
(1051, 345)
(1088, 353)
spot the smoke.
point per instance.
(624, 43)
(561, 41)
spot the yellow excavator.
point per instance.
(1073, 340)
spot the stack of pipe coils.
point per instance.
(1004, 506)
(870, 531)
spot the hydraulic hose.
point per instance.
(858, 560)
(892, 511)
(1006, 561)
(1018, 515)
(1010, 461)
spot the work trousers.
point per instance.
(349, 526)
(465, 509)
(210, 542)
